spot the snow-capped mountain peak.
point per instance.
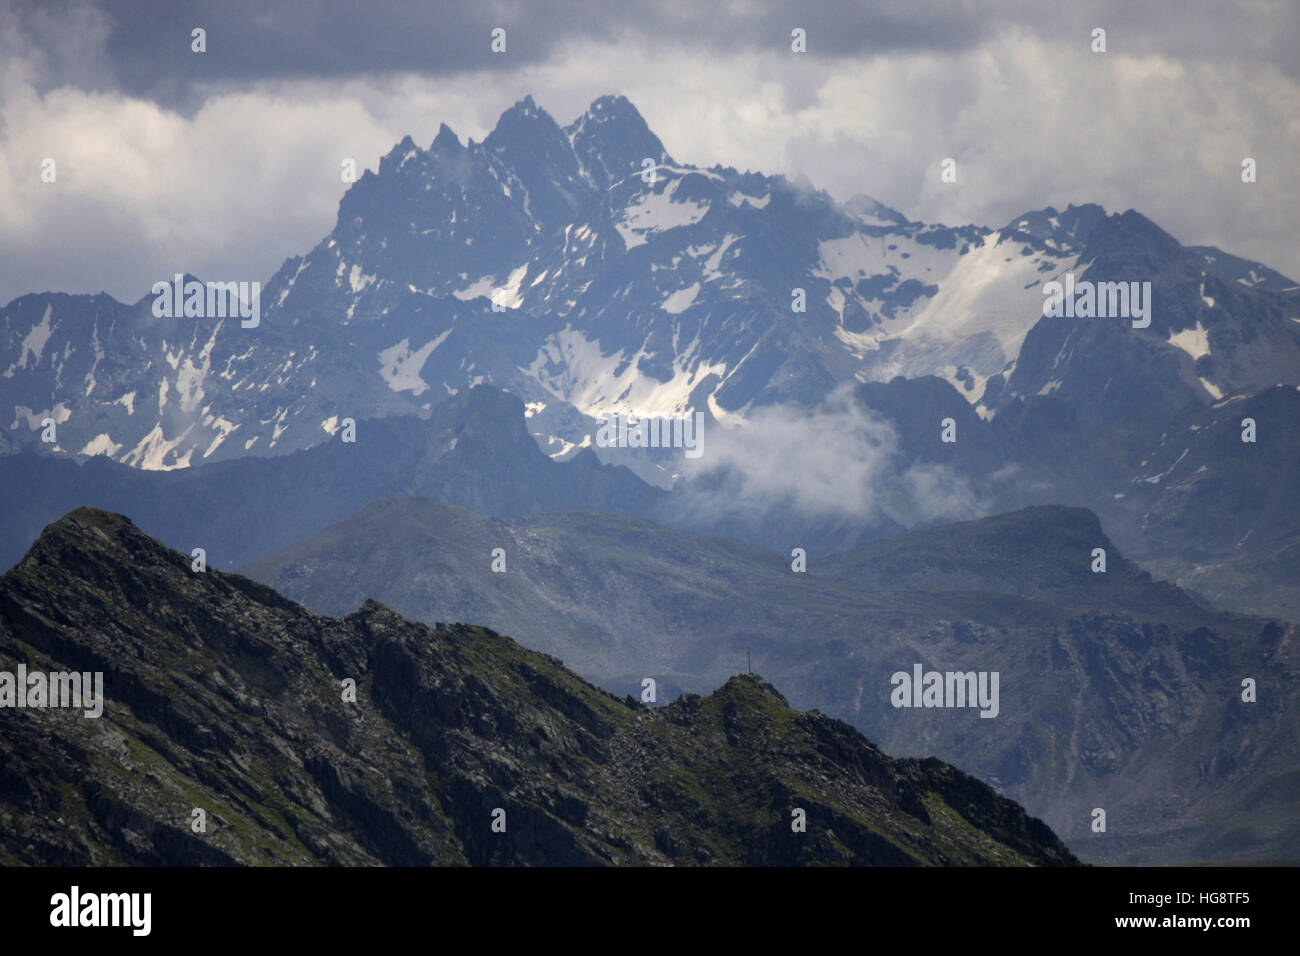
(590, 272)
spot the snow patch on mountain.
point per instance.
(190, 377)
(356, 279)
(508, 295)
(713, 265)
(60, 413)
(400, 367)
(681, 300)
(655, 212)
(101, 444)
(860, 256)
(575, 369)
(480, 288)
(152, 452)
(1195, 341)
(34, 343)
(994, 288)
(858, 343)
(977, 323)
(223, 429)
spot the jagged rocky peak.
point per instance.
(399, 155)
(522, 125)
(1134, 233)
(1069, 228)
(446, 141)
(612, 139)
(539, 168)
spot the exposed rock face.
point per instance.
(225, 697)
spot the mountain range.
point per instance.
(557, 264)
(883, 400)
(227, 736)
(1118, 691)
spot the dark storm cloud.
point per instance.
(146, 44)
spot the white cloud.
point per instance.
(252, 175)
(835, 460)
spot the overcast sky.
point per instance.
(226, 162)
